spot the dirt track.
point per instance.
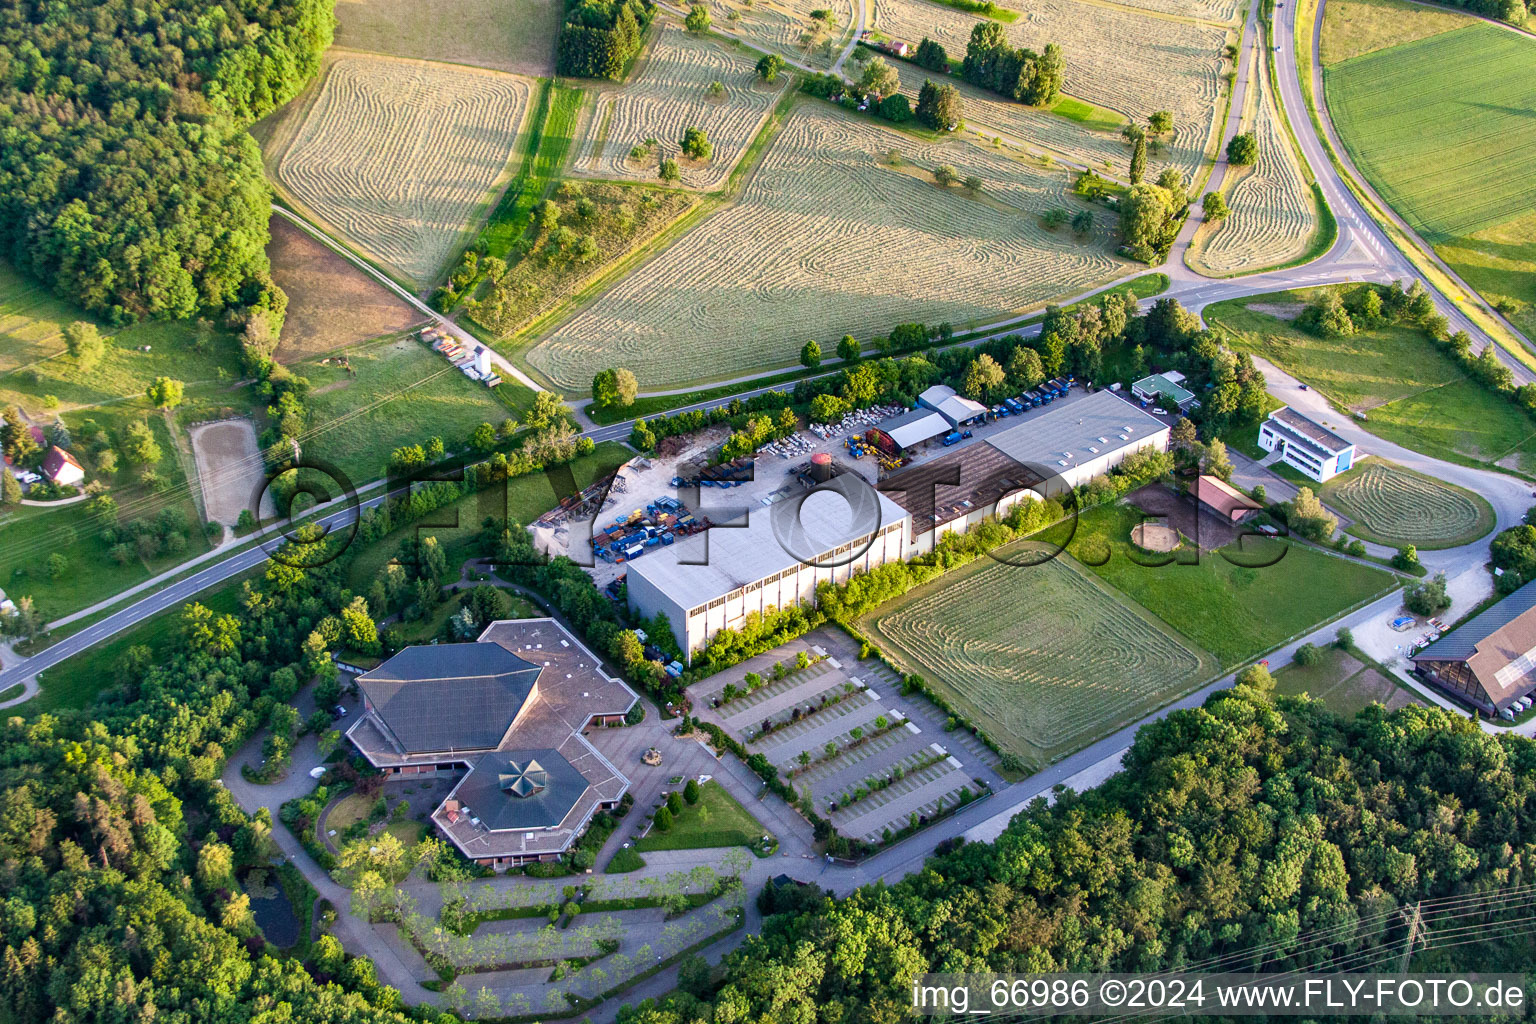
(230, 468)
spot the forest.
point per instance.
(1256, 833)
(127, 179)
(600, 36)
(1020, 74)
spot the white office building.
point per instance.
(1309, 446)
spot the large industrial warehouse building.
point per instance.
(1063, 447)
(772, 558)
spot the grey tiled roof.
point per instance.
(449, 696)
(486, 789)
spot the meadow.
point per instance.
(331, 303)
(668, 93)
(1069, 661)
(841, 230)
(1411, 392)
(399, 156)
(504, 35)
(1352, 28)
(1235, 612)
(1442, 128)
(399, 392)
(1273, 214)
(1128, 61)
(1393, 505)
(1343, 682)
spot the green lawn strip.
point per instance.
(728, 824)
(470, 922)
(13, 691)
(1410, 391)
(1087, 114)
(1409, 480)
(624, 861)
(1234, 612)
(527, 498)
(510, 216)
(75, 682)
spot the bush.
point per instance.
(691, 791)
(1243, 149)
(663, 820)
(674, 803)
(1429, 597)
(1308, 655)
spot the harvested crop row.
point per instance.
(671, 94)
(1404, 508)
(829, 238)
(1206, 10)
(1273, 214)
(1129, 62)
(786, 26)
(1055, 671)
(399, 154)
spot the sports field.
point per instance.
(1235, 612)
(399, 156)
(401, 392)
(833, 235)
(1044, 659)
(331, 303)
(1273, 214)
(1393, 505)
(1411, 392)
(507, 35)
(1127, 61)
(1443, 129)
(670, 92)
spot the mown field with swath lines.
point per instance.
(1045, 659)
(671, 93)
(1273, 215)
(786, 27)
(1133, 63)
(1393, 505)
(399, 155)
(829, 238)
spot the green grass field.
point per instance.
(401, 393)
(1232, 611)
(716, 820)
(1343, 682)
(1443, 129)
(1087, 114)
(527, 498)
(1045, 659)
(1392, 505)
(1412, 393)
(34, 365)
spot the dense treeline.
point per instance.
(127, 179)
(600, 36)
(1266, 829)
(121, 854)
(1019, 74)
(1513, 11)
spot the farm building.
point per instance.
(1308, 446)
(1223, 500)
(908, 430)
(957, 490)
(1488, 662)
(942, 399)
(508, 712)
(61, 468)
(1152, 389)
(1070, 445)
(769, 558)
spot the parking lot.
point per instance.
(839, 729)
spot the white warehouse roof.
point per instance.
(942, 399)
(914, 427)
(1079, 432)
(738, 554)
